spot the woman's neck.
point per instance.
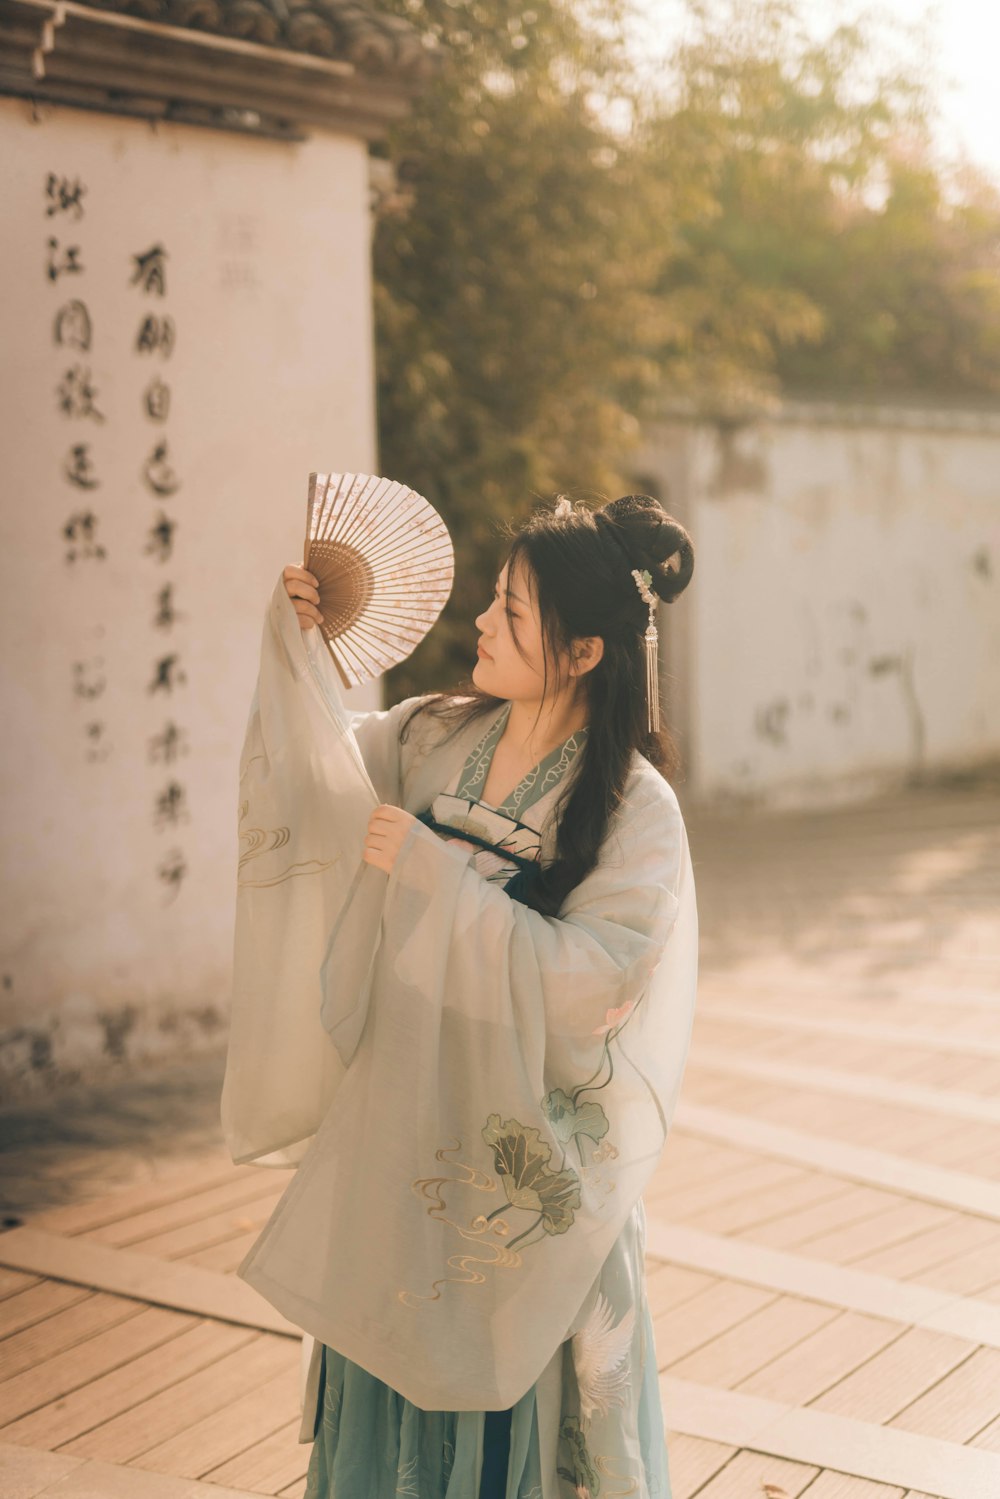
(536, 733)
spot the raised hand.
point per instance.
(301, 588)
(387, 828)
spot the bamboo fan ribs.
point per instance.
(384, 564)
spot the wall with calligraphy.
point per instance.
(187, 334)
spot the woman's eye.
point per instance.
(496, 595)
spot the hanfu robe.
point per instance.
(475, 1095)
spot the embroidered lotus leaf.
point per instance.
(521, 1160)
(569, 1119)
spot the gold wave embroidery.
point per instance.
(530, 1184)
(603, 1465)
(260, 840)
(310, 866)
(265, 841)
(429, 1187)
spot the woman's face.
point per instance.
(502, 669)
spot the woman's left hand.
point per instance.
(387, 828)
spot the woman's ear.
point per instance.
(587, 651)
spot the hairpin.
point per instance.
(650, 641)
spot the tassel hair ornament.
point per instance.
(650, 641)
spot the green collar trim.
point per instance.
(533, 786)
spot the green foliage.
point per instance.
(512, 306)
(910, 295)
(829, 253)
(547, 277)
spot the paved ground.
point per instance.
(824, 1231)
(89, 1140)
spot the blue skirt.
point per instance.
(372, 1443)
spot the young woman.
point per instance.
(508, 971)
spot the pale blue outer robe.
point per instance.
(465, 1029)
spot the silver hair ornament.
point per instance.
(650, 641)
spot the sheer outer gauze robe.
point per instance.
(475, 1095)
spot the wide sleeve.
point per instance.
(562, 1044)
(376, 732)
(595, 957)
(306, 792)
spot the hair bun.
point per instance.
(657, 541)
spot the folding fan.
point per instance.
(384, 564)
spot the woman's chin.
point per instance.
(486, 677)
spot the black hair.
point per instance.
(580, 562)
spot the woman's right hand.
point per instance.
(301, 588)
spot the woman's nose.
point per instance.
(482, 620)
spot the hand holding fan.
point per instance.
(383, 563)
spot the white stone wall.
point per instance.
(127, 672)
(844, 628)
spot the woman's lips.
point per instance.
(481, 652)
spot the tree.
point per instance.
(829, 251)
(514, 315)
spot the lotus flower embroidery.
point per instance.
(613, 1017)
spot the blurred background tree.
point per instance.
(513, 299)
(832, 254)
(571, 247)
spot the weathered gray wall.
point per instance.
(844, 622)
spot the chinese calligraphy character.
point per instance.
(78, 467)
(149, 270)
(72, 325)
(97, 749)
(161, 538)
(168, 674)
(155, 333)
(157, 399)
(168, 745)
(77, 395)
(157, 472)
(170, 805)
(166, 615)
(83, 688)
(80, 531)
(70, 264)
(62, 196)
(172, 870)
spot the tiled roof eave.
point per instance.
(78, 53)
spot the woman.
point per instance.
(510, 1003)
